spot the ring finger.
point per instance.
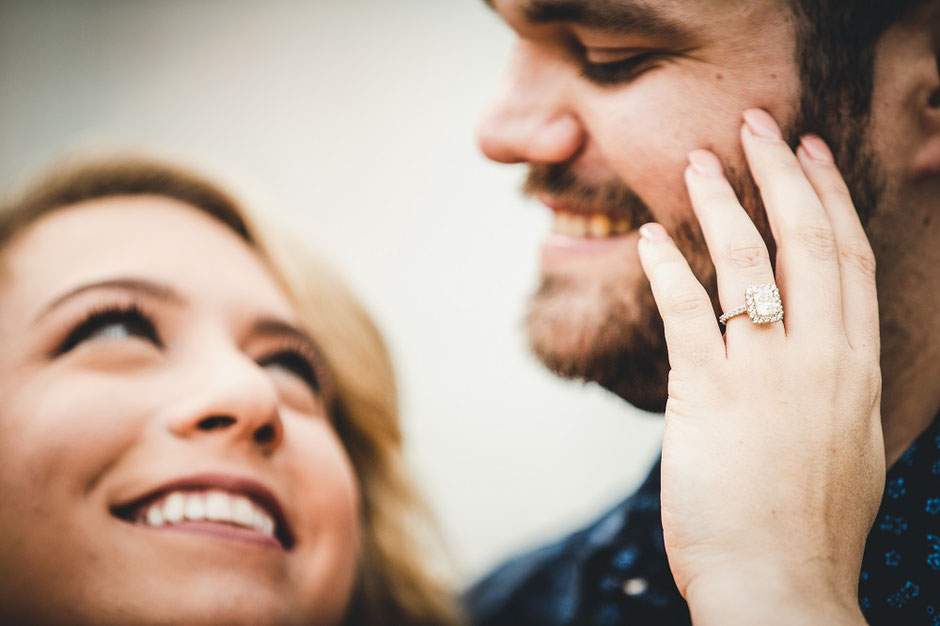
(737, 250)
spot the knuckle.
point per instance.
(819, 241)
(684, 389)
(747, 256)
(874, 391)
(865, 380)
(688, 305)
(857, 254)
(872, 379)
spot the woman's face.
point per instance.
(165, 452)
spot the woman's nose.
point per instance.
(529, 119)
(236, 402)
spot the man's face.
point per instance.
(604, 99)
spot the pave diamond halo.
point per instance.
(761, 303)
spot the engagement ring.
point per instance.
(761, 303)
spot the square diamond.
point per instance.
(763, 303)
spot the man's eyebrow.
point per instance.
(614, 16)
(143, 286)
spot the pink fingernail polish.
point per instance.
(762, 124)
(817, 149)
(705, 162)
(654, 233)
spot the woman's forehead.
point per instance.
(153, 238)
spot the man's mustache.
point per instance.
(612, 196)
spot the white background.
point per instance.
(356, 118)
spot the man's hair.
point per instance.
(835, 47)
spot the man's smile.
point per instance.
(576, 218)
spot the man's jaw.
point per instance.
(602, 329)
(592, 318)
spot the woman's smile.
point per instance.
(215, 504)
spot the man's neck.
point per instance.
(909, 297)
(906, 410)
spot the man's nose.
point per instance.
(236, 401)
(530, 120)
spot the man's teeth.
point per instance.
(213, 506)
(593, 225)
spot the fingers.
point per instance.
(856, 260)
(734, 243)
(806, 244)
(692, 334)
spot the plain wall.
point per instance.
(356, 118)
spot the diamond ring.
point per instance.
(761, 303)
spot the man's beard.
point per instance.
(610, 332)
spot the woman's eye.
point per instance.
(294, 364)
(618, 71)
(111, 325)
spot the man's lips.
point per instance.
(575, 218)
(236, 507)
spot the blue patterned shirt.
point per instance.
(614, 572)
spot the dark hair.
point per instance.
(835, 47)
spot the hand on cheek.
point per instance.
(773, 460)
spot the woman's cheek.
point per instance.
(80, 422)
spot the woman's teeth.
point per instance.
(594, 225)
(212, 506)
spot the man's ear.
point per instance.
(927, 155)
(934, 100)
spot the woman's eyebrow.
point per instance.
(271, 326)
(144, 286)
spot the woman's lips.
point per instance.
(217, 504)
(224, 531)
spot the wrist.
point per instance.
(758, 594)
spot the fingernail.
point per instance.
(817, 149)
(705, 162)
(762, 124)
(654, 233)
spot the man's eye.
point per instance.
(613, 72)
(113, 324)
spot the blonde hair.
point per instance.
(395, 584)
